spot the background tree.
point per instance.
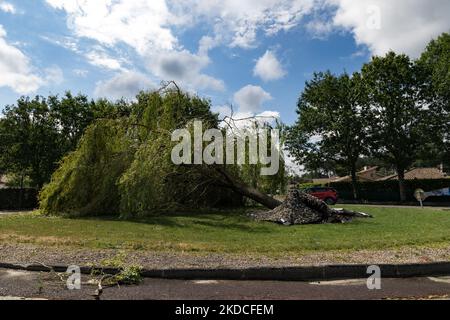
(434, 65)
(37, 133)
(29, 141)
(330, 130)
(397, 119)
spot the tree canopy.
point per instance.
(398, 116)
(395, 110)
(123, 166)
(37, 132)
(331, 125)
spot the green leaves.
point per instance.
(331, 124)
(123, 166)
(396, 110)
(397, 115)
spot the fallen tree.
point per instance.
(124, 167)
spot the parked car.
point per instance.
(329, 195)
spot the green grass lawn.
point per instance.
(233, 232)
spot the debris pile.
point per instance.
(301, 208)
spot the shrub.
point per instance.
(308, 185)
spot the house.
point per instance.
(419, 173)
(371, 174)
(323, 181)
(366, 175)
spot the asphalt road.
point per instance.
(19, 284)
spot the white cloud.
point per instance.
(7, 7)
(251, 99)
(82, 73)
(185, 68)
(406, 25)
(99, 58)
(123, 85)
(142, 24)
(15, 68)
(223, 111)
(268, 67)
(54, 75)
(150, 28)
(240, 21)
(319, 28)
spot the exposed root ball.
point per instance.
(302, 208)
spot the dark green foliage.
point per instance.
(330, 131)
(388, 190)
(18, 199)
(398, 116)
(123, 166)
(434, 65)
(36, 133)
(29, 140)
(396, 111)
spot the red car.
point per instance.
(329, 195)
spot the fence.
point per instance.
(18, 199)
(388, 191)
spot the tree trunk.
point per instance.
(401, 184)
(247, 191)
(257, 196)
(21, 191)
(354, 183)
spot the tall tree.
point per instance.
(330, 129)
(397, 116)
(36, 133)
(29, 141)
(434, 65)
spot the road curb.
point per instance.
(320, 273)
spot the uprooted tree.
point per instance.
(123, 166)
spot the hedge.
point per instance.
(389, 190)
(18, 199)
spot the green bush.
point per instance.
(308, 185)
(18, 199)
(389, 190)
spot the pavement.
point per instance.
(4, 213)
(35, 285)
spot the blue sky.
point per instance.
(254, 55)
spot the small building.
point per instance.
(371, 174)
(323, 181)
(419, 174)
(366, 175)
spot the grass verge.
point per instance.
(232, 232)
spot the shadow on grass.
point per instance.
(236, 219)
